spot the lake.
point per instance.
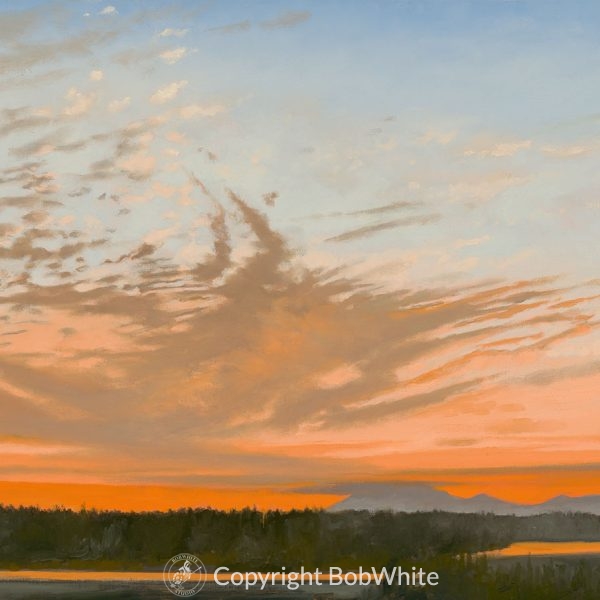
(546, 549)
(149, 585)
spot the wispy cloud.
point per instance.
(200, 110)
(500, 149)
(32, 54)
(173, 56)
(367, 230)
(569, 151)
(108, 10)
(287, 19)
(397, 206)
(170, 32)
(119, 105)
(168, 93)
(232, 27)
(79, 102)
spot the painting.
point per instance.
(294, 287)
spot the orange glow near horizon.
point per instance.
(518, 487)
(530, 487)
(154, 497)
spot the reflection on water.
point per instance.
(112, 585)
(80, 576)
(122, 576)
(546, 549)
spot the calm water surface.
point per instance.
(547, 549)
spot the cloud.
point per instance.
(270, 197)
(80, 103)
(386, 208)
(7, 229)
(22, 393)
(572, 151)
(20, 445)
(468, 243)
(500, 149)
(138, 166)
(52, 76)
(119, 105)
(232, 28)
(173, 56)
(199, 110)
(108, 11)
(287, 19)
(484, 187)
(399, 205)
(36, 217)
(338, 377)
(27, 56)
(253, 343)
(133, 56)
(55, 141)
(96, 75)
(368, 230)
(24, 246)
(168, 92)
(23, 119)
(442, 138)
(140, 252)
(170, 32)
(15, 24)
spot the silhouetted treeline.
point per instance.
(249, 539)
(467, 578)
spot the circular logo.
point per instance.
(183, 575)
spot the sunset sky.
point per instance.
(253, 249)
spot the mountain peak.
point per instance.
(414, 497)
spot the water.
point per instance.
(546, 549)
(112, 585)
(148, 585)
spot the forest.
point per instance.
(253, 540)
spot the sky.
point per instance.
(253, 250)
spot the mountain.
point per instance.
(404, 497)
(587, 504)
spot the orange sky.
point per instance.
(148, 498)
(528, 487)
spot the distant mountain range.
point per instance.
(401, 497)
